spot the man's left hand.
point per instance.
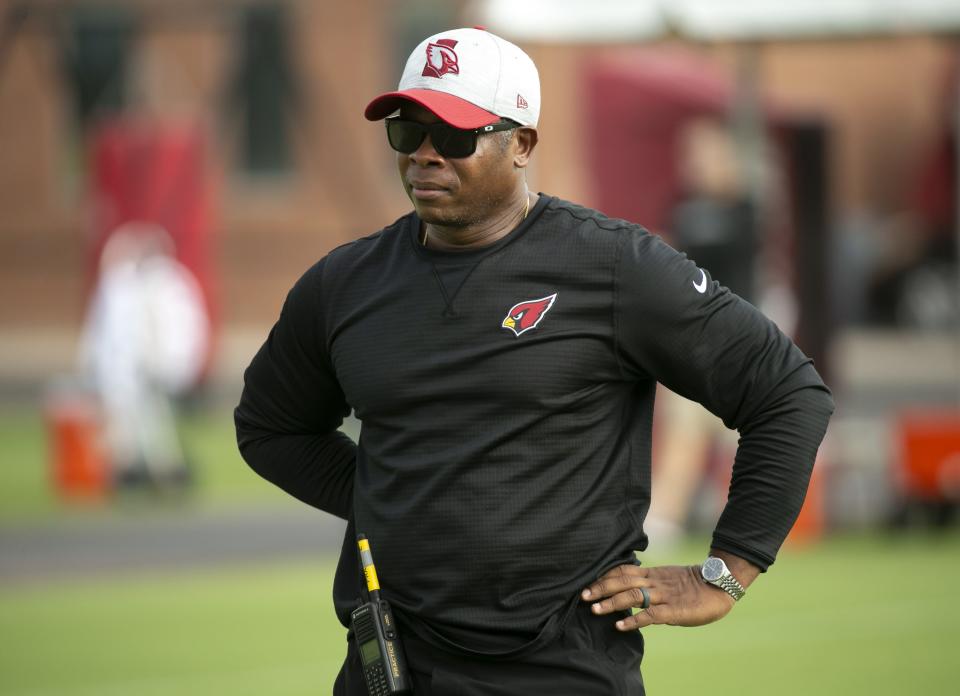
(678, 596)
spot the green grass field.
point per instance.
(26, 496)
(856, 615)
(862, 614)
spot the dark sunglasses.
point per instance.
(450, 142)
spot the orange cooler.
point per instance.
(79, 466)
(929, 463)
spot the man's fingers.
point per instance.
(616, 580)
(627, 570)
(641, 619)
(628, 599)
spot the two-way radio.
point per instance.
(377, 637)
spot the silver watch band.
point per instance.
(729, 584)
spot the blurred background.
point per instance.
(169, 168)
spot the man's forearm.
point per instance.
(771, 474)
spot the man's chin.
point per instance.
(438, 215)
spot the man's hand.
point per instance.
(678, 596)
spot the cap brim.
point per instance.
(458, 112)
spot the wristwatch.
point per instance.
(715, 571)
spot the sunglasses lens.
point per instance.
(405, 136)
(452, 142)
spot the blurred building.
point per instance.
(239, 124)
(277, 89)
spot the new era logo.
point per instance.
(521, 102)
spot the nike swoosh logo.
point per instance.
(701, 287)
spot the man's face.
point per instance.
(457, 192)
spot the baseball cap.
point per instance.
(469, 78)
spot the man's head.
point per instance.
(469, 78)
(468, 105)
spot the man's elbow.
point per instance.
(816, 404)
(249, 438)
(807, 403)
(822, 402)
(814, 395)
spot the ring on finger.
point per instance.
(646, 598)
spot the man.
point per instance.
(501, 350)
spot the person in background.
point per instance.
(714, 224)
(143, 345)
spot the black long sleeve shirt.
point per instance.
(506, 403)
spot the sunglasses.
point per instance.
(450, 142)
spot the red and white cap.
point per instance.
(469, 78)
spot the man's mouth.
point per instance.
(426, 190)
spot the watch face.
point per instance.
(713, 569)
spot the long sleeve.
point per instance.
(677, 326)
(292, 405)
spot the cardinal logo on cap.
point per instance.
(441, 59)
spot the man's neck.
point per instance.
(481, 234)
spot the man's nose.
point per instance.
(425, 155)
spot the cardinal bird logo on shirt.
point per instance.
(441, 59)
(525, 315)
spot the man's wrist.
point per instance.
(743, 570)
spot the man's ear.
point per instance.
(526, 141)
